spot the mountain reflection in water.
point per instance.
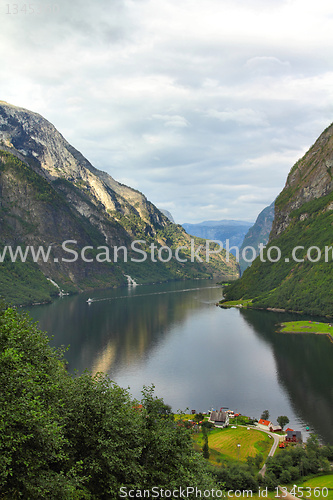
(196, 354)
(304, 367)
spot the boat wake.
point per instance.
(89, 301)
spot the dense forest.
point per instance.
(81, 437)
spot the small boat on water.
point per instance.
(89, 301)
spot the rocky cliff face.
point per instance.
(33, 137)
(310, 178)
(296, 270)
(258, 233)
(50, 193)
(168, 215)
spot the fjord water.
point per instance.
(197, 355)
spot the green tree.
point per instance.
(168, 458)
(254, 463)
(237, 477)
(205, 448)
(84, 437)
(270, 481)
(103, 428)
(207, 425)
(265, 415)
(312, 444)
(282, 420)
(32, 440)
(198, 417)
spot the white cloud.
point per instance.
(267, 64)
(244, 116)
(172, 120)
(203, 106)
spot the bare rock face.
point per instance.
(258, 233)
(303, 223)
(311, 177)
(50, 193)
(30, 136)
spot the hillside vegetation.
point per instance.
(35, 212)
(83, 437)
(50, 193)
(302, 231)
(294, 286)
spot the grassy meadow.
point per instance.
(307, 327)
(223, 444)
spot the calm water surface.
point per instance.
(197, 355)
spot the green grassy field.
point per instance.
(320, 482)
(317, 490)
(236, 303)
(307, 327)
(317, 487)
(223, 444)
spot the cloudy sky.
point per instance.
(203, 105)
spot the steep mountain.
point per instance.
(167, 214)
(300, 241)
(232, 230)
(51, 194)
(257, 234)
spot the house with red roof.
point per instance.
(267, 425)
(264, 424)
(293, 436)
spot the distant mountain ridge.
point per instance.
(302, 231)
(50, 193)
(257, 234)
(223, 230)
(217, 223)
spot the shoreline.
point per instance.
(247, 304)
(114, 287)
(307, 328)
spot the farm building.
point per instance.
(293, 436)
(264, 424)
(267, 425)
(219, 418)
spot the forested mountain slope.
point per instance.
(50, 193)
(300, 280)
